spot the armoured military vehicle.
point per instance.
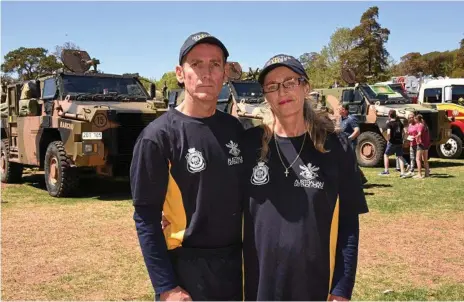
(371, 104)
(243, 98)
(73, 120)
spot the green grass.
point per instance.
(86, 248)
(440, 192)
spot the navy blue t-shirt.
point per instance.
(348, 124)
(189, 169)
(292, 221)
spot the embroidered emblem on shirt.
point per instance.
(195, 161)
(260, 174)
(310, 177)
(235, 151)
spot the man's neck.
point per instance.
(290, 126)
(196, 108)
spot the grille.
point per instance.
(130, 126)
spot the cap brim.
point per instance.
(266, 70)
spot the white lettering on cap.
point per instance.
(278, 59)
(200, 36)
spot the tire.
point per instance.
(11, 172)
(370, 149)
(61, 178)
(451, 149)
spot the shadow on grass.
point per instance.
(440, 175)
(368, 186)
(445, 164)
(89, 187)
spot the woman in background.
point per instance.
(423, 145)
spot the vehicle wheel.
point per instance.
(11, 172)
(451, 149)
(370, 149)
(60, 177)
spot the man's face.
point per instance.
(342, 111)
(285, 101)
(202, 72)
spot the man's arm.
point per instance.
(149, 178)
(352, 202)
(355, 126)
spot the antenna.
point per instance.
(78, 60)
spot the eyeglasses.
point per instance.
(290, 83)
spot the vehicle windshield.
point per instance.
(248, 89)
(458, 94)
(95, 85)
(385, 93)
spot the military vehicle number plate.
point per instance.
(91, 135)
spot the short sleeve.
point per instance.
(419, 128)
(149, 172)
(354, 122)
(351, 193)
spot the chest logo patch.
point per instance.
(195, 161)
(235, 152)
(309, 173)
(260, 174)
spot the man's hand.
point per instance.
(175, 294)
(164, 222)
(337, 298)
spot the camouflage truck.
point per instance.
(243, 99)
(74, 120)
(371, 104)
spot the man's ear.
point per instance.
(180, 74)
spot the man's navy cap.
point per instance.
(197, 38)
(282, 60)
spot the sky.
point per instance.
(145, 37)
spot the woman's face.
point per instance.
(285, 101)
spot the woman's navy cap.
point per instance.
(282, 60)
(198, 38)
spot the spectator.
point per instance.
(395, 130)
(423, 144)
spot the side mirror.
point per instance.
(448, 94)
(152, 90)
(233, 71)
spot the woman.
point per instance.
(304, 195)
(423, 144)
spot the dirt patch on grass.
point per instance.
(71, 252)
(420, 250)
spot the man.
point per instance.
(186, 165)
(349, 125)
(395, 130)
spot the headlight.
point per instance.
(89, 148)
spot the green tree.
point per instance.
(66, 45)
(369, 58)
(170, 79)
(411, 63)
(29, 63)
(341, 42)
